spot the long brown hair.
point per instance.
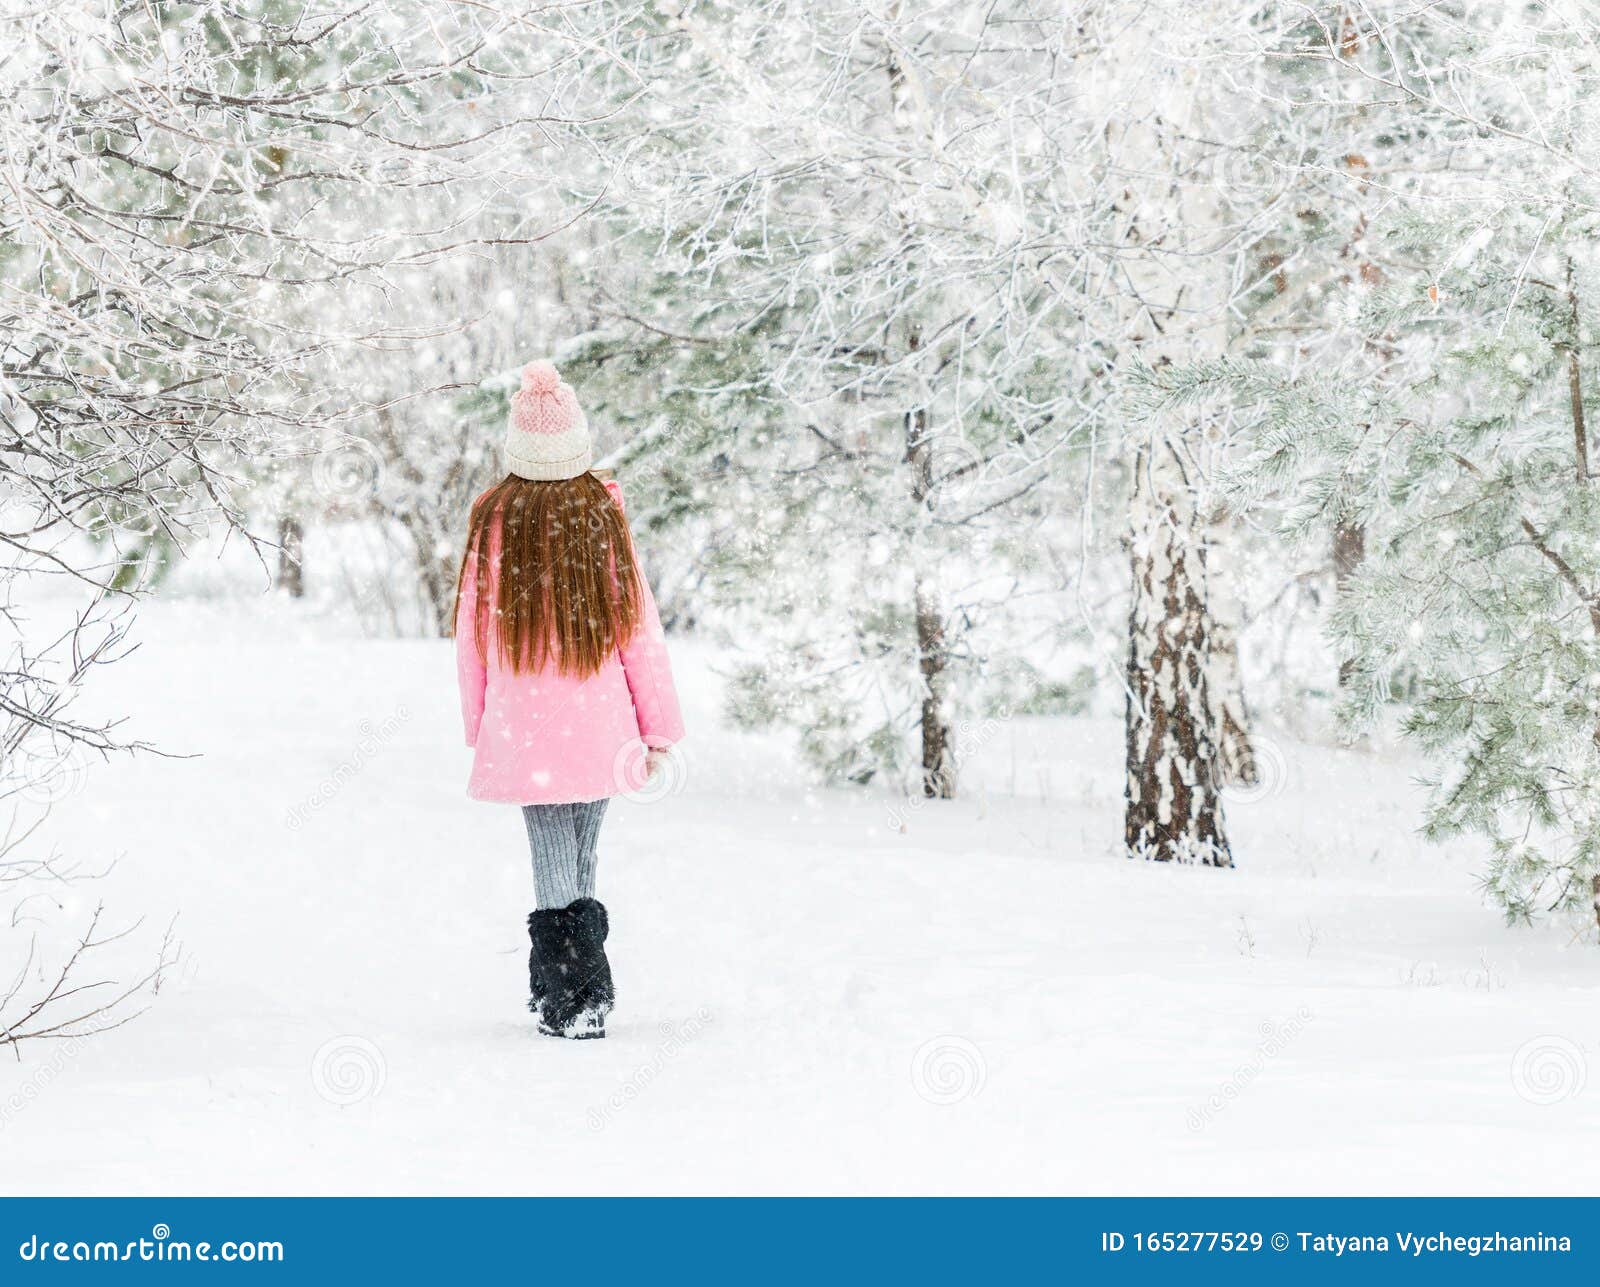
(566, 589)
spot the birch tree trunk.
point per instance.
(1176, 253)
(1174, 805)
(1236, 752)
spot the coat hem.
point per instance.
(565, 797)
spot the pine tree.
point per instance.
(1465, 466)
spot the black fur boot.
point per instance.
(594, 925)
(569, 976)
(535, 970)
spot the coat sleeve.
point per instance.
(471, 674)
(648, 671)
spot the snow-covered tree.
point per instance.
(1178, 247)
(1472, 480)
(858, 222)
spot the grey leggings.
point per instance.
(562, 837)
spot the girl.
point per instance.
(566, 692)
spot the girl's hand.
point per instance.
(655, 762)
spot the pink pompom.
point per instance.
(541, 377)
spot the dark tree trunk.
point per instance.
(291, 556)
(1580, 454)
(1349, 549)
(933, 656)
(440, 589)
(933, 653)
(436, 571)
(938, 757)
(1580, 431)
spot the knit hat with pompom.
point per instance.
(548, 437)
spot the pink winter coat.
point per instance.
(549, 738)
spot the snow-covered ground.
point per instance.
(820, 991)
